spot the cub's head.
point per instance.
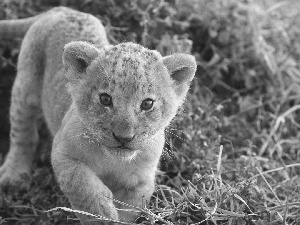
(126, 94)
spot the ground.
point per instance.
(232, 155)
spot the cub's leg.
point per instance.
(138, 196)
(24, 111)
(23, 133)
(85, 191)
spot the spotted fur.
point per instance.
(99, 152)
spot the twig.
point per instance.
(273, 170)
(278, 122)
(269, 185)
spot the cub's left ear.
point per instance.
(182, 68)
(77, 57)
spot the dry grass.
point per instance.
(232, 155)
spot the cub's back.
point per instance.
(45, 41)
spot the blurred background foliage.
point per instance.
(240, 121)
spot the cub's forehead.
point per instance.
(131, 49)
(128, 67)
(129, 59)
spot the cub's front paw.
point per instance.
(98, 207)
(14, 175)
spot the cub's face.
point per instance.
(126, 94)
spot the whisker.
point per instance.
(168, 143)
(169, 154)
(163, 156)
(174, 129)
(169, 132)
(174, 125)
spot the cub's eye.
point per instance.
(105, 99)
(147, 104)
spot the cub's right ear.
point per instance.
(182, 68)
(77, 56)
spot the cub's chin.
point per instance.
(122, 153)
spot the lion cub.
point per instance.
(106, 106)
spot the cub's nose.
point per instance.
(123, 139)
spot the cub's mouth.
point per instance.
(122, 152)
(122, 147)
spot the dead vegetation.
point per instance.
(232, 155)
